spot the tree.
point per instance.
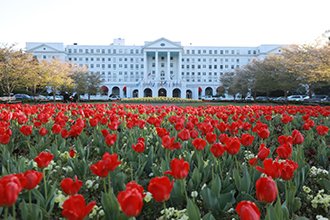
(57, 75)
(93, 83)
(80, 80)
(310, 63)
(14, 68)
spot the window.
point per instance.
(232, 51)
(210, 51)
(221, 51)
(69, 51)
(192, 51)
(103, 50)
(171, 64)
(199, 51)
(92, 50)
(237, 60)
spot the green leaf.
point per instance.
(209, 199)
(216, 185)
(208, 216)
(246, 181)
(193, 211)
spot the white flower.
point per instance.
(89, 183)
(148, 197)
(194, 194)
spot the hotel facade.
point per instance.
(158, 68)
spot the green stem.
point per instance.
(109, 180)
(30, 198)
(6, 213)
(183, 183)
(45, 186)
(164, 207)
(104, 185)
(14, 211)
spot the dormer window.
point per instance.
(162, 44)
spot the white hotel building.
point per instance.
(158, 68)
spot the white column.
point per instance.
(180, 64)
(168, 67)
(145, 67)
(156, 65)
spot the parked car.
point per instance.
(280, 99)
(40, 98)
(317, 99)
(262, 98)
(296, 98)
(249, 98)
(114, 97)
(22, 97)
(208, 98)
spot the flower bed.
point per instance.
(164, 162)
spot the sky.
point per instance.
(192, 22)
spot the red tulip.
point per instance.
(26, 130)
(199, 143)
(110, 139)
(100, 169)
(288, 168)
(75, 208)
(263, 152)
(263, 133)
(4, 138)
(211, 137)
(72, 152)
(160, 188)
(179, 168)
(298, 138)
(140, 146)
(271, 168)
(322, 130)
(70, 186)
(44, 159)
(247, 139)
(266, 189)
(108, 163)
(43, 131)
(30, 179)
(218, 149)
(284, 151)
(10, 187)
(248, 210)
(184, 135)
(131, 199)
(56, 129)
(233, 145)
(111, 161)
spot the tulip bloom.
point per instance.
(322, 130)
(247, 139)
(199, 143)
(218, 149)
(10, 187)
(184, 135)
(26, 130)
(298, 138)
(160, 188)
(179, 168)
(233, 146)
(30, 179)
(75, 208)
(266, 189)
(248, 210)
(131, 199)
(44, 159)
(70, 186)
